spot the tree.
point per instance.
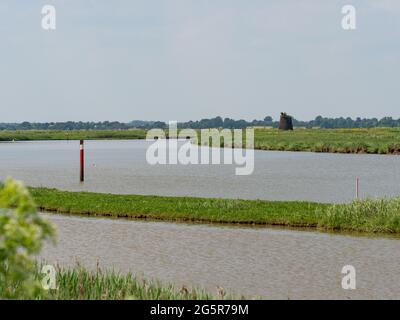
(218, 122)
(268, 119)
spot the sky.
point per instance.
(191, 59)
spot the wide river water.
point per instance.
(265, 262)
(256, 262)
(121, 167)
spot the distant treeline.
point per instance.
(72, 125)
(318, 122)
(217, 122)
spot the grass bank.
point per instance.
(30, 135)
(374, 141)
(362, 216)
(79, 283)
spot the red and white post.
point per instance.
(82, 162)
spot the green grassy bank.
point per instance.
(374, 141)
(29, 135)
(362, 216)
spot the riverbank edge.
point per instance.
(293, 214)
(300, 140)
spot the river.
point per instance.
(268, 263)
(121, 167)
(256, 262)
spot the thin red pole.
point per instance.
(82, 162)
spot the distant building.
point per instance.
(285, 122)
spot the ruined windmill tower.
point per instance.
(285, 122)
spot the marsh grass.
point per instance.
(370, 215)
(28, 135)
(78, 283)
(363, 215)
(374, 140)
(178, 208)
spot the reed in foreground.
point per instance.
(363, 216)
(79, 283)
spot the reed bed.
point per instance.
(370, 215)
(79, 283)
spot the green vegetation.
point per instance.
(27, 135)
(79, 283)
(377, 140)
(22, 233)
(374, 141)
(318, 122)
(363, 216)
(178, 208)
(371, 215)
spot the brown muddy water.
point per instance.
(268, 263)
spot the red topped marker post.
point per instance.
(82, 161)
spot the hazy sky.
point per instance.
(191, 59)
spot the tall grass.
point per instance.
(79, 283)
(371, 215)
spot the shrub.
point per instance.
(22, 232)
